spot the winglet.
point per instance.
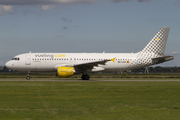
(113, 59)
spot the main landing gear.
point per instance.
(28, 76)
(85, 77)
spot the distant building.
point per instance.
(4, 69)
(1, 68)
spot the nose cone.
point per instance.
(8, 65)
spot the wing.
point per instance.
(89, 65)
(163, 59)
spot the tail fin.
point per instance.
(158, 43)
(153, 53)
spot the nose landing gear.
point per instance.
(28, 76)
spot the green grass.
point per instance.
(89, 100)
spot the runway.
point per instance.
(154, 80)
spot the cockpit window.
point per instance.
(15, 59)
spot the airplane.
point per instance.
(68, 64)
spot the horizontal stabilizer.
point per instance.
(163, 59)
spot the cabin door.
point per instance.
(28, 59)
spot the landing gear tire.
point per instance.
(28, 78)
(85, 77)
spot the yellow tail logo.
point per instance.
(113, 59)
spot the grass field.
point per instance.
(89, 100)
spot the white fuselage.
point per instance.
(51, 61)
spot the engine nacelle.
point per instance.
(65, 71)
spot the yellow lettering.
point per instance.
(59, 55)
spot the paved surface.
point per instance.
(83, 80)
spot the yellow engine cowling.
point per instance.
(65, 71)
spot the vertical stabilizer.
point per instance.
(158, 43)
(153, 53)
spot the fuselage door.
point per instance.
(28, 59)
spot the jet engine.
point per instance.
(65, 71)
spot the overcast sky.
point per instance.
(119, 26)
